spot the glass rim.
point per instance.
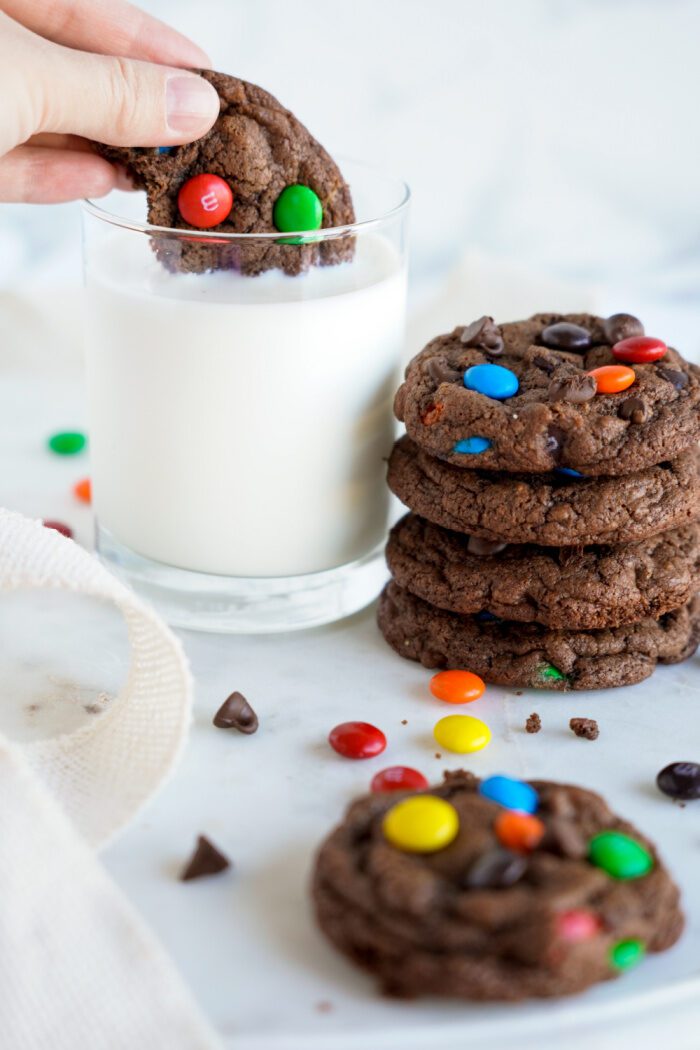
(323, 234)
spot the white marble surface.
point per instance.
(246, 941)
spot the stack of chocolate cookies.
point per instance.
(551, 471)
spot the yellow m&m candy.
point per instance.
(422, 824)
(462, 733)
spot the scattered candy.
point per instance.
(626, 954)
(622, 326)
(456, 687)
(549, 671)
(510, 793)
(619, 855)
(205, 201)
(577, 925)
(520, 832)
(82, 490)
(58, 526)
(496, 869)
(584, 727)
(398, 778)
(680, 780)
(493, 381)
(357, 740)
(67, 442)
(462, 734)
(472, 445)
(423, 824)
(236, 713)
(568, 471)
(566, 336)
(206, 860)
(297, 209)
(613, 379)
(639, 350)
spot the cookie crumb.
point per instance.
(404, 721)
(518, 692)
(206, 860)
(438, 754)
(584, 727)
(324, 1007)
(533, 723)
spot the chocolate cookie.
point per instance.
(478, 920)
(530, 655)
(259, 149)
(553, 510)
(576, 588)
(520, 397)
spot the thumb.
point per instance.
(123, 102)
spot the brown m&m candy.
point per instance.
(566, 336)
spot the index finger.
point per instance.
(106, 27)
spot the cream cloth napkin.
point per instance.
(78, 968)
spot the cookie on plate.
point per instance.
(577, 588)
(533, 656)
(451, 893)
(259, 149)
(558, 391)
(553, 510)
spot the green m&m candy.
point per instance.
(296, 209)
(619, 855)
(626, 954)
(67, 442)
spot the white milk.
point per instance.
(233, 428)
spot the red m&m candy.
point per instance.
(58, 526)
(398, 778)
(357, 740)
(205, 201)
(577, 925)
(639, 349)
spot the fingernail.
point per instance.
(192, 105)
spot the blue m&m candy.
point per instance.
(513, 794)
(470, 446)
(164, 149)
(492, 380)
(569, 471)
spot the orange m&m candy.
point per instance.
(83, 490)
(612, 379)
(456, 687)
(520, 832)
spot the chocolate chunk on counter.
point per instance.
(585, 727)
(206, 860)
(533, 723)
(236, 713)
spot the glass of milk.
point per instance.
(239, 424)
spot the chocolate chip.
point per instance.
(584, 727)
(483, 334)
(634, 409)
(206, 860)
(576, 388)
(563, 836)
(566, 336)
(236, 713)
(676, 378)
(484, 548)
(440, 371)
(533, 723)
(496, 869)
(680, 780)
(621, 326)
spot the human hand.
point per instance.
(73, 70)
